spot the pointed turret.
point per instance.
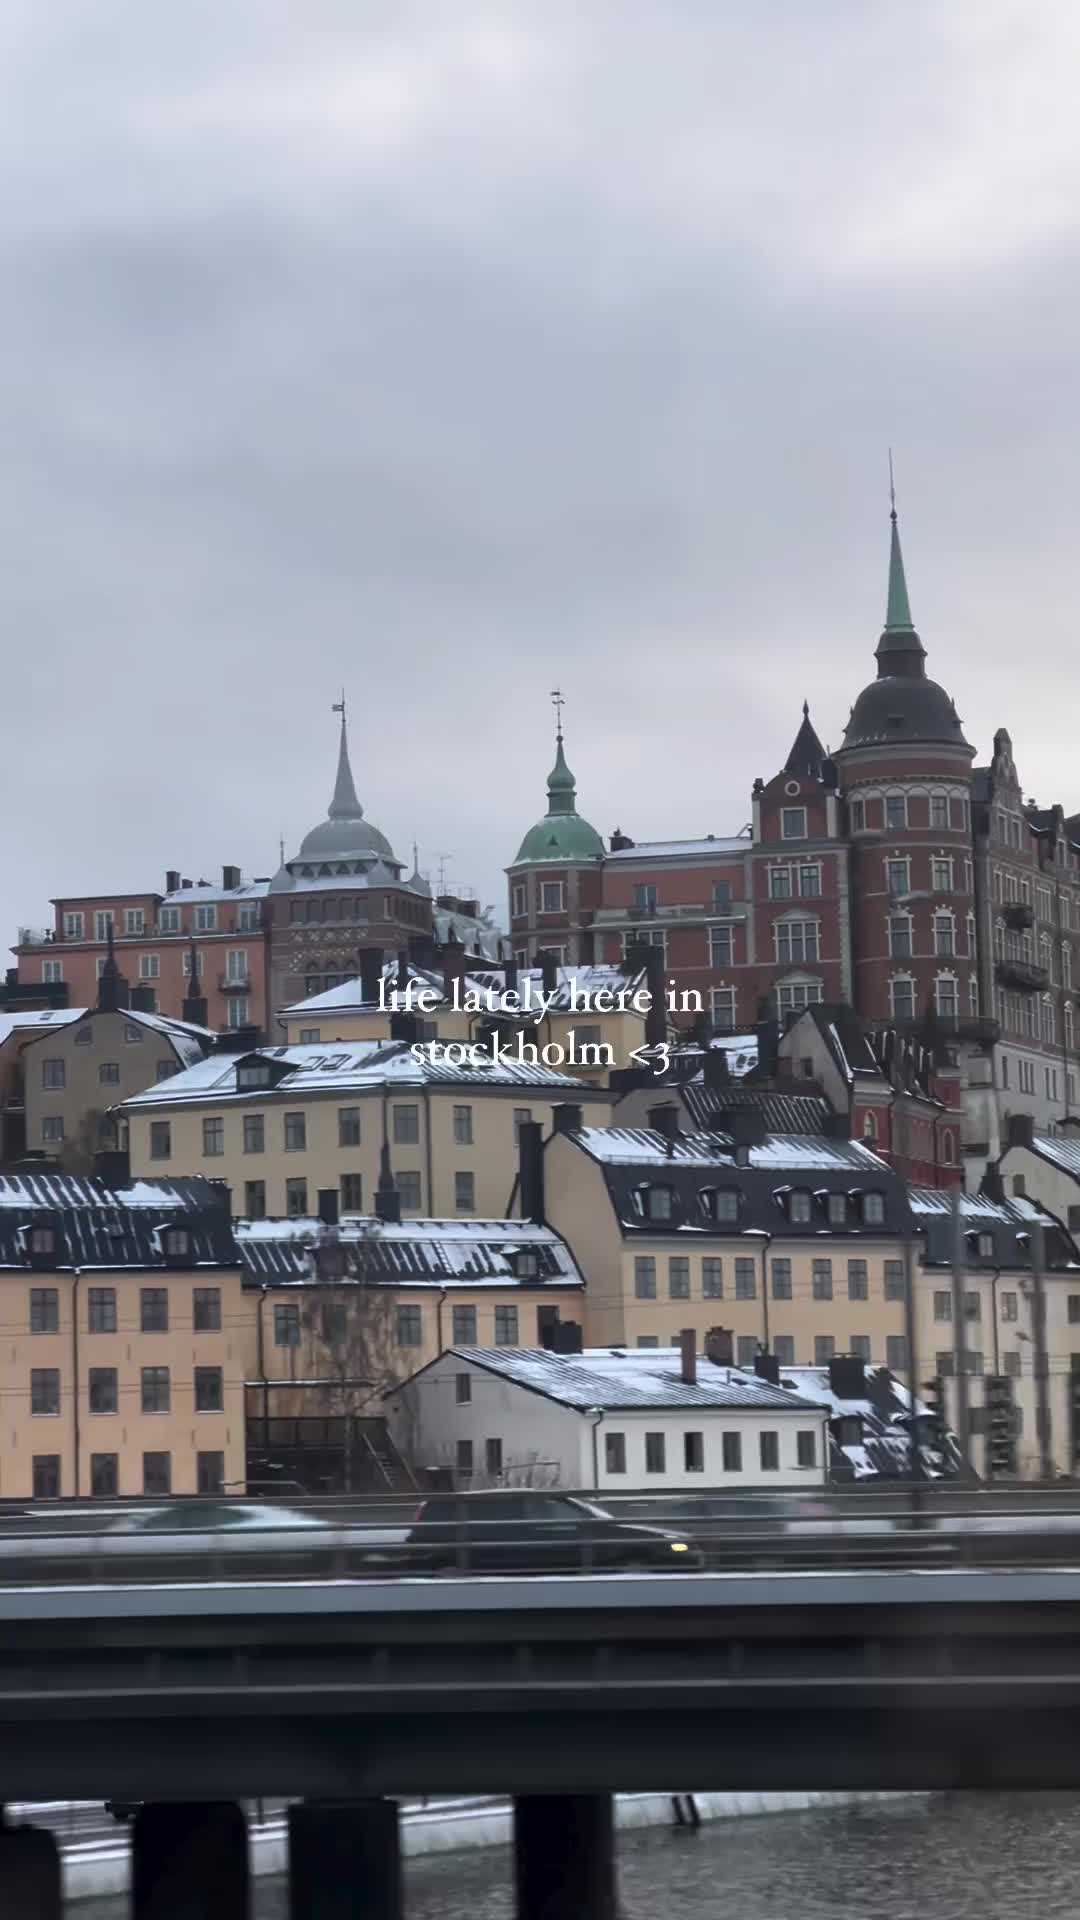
(345, 805)
(900, 652)
(807, 753)
(562, 834)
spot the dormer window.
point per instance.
(176, 1243)
(657, 1203)
(836, 1209)
(42, 1240)
(720, 1204)
(526, 1263)
(986, 1246)
(799, 1208)
(252, 1076)
(873, 1209)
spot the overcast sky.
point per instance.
(450, 351)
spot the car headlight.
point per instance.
(678, 1546)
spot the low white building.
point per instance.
(606, 1418)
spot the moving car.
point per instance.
(184, 1517)
(530, 1531)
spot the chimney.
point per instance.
(112, 987)
(716, 1072)
(230, 879)
(531, 1171)
(567, 1117)
(453, 963)
(113, 1167)
(222, 1196)
(688, 1357)
(567, 1337)
(767, 1029)
(172, 880)
(141, 999)
(328, 1206)
(510, 976)
(236, 1039)
(767, 1367)
(665, 1120)
(193, 1005)
(656, 1018)
(837, 1126)
(371, 971)
(720, 1347)
(549, 971)
(387, 1198)
(422, 949)
(1020, 1130)
(619, 841)
(185, 883)
(847, 1377)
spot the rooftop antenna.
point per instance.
(442, 859)
(558, 703)
(339, 705)
(281, 848)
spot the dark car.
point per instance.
(536, 1532)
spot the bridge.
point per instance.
(345, 1695)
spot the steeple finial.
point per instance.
(898, 607)
(344, 805)
(558, 703)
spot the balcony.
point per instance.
(1018, 914)
(1023, 974)
(36, 937)
(700, 912)
(227, 983)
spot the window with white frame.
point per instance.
(645, 896)
(944, 934)
(810, 882)
(947, 996)
(1066, 964)
(900, 941)
(206, 918)
(134, 920)
(721, 946)
(796, 941)
(238, 1012)
(1048, 1024)
(973, 996)
(941, 875)
(1070, 1038)
(186, 962)
(52, 971)
(168, 919)
(73, 926)
(103, 923)
(895, 812)
(779, 883)
(722, 1007)
(902, 997)
(236, 964)
(552, 896)
(939, 810)
(857, 815)
(896, 877)
(520, 905)
(149, 966)
(794, 996)
(793, 823)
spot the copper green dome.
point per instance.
(562, 835)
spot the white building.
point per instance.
(606, 1418)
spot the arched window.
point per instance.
(948, 1148)
(973, 996)
(939, 811)
(869, 1126)
(1048, 1024)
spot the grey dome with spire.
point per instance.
(344, 833)
(902, 705)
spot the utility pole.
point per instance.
(963, 1424)
(1042, 1367)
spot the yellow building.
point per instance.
(589, 1018)
(122, 1339)
(282, 1125)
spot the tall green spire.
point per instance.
(898, 607)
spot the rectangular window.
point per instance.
(255, 1199)
(796, 997)
(900, 936)
(784, 1349)
(506, 1326)
(287, 1325)
(746, 1349)
(731, 1452)
(654, 1453)
(210, 1472)
(693, 1452)
(108, 1073)
(295, 1132)
(410, 1327)
(463, 1126)
(296, 1205)
(463, 1389)
(464, 1192)
(721, 947)
(352, 1193)
(796, 941)
(157, 1473)
(894, 1280)
(160, 1139)
(348, 1126)
(943, 1304)
(205, 919)
(645, 897)
(745, 1279)
(1012, 1364)
(168, 919)
(939, 811)
(897, 878)
(73, 926)
(895, 812)
(1009, 1306)
(857, 815)
(793, 823)
(521, 901)
(896, 1352)
(463, 1326)
(406, 1125)
(102, 924)
(154, 1309)
(134, 921)
(52, 1129)
(712, 1278)
(822, 1279)
(238, 1011)
(52, 971)
(552, 896)
(769, 1444)
(781, 1279)
(779, 883)
(46, 1476)
(859, 1347)
(44, 1310)
(53, 1075)
(206, 1310)
(254, 1133)
(810, 882)
(944, 935)
(209, 1390)
(104, 1474)
(102, 1387)
(973, 1302)
(941, 876)
(824, 1349)
(493, 1457)
(155, 1390)
(149, 966)
(722, 1009)
(806, 1447)
(464, 1457)
(615, 1452)
(45, 1390)
(101, 1310)
(679, 1277)
(408, 1186)
(213, 1138)
(858, 1280)
(644, 1277)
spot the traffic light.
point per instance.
(933, 1422)
(1001, 1426)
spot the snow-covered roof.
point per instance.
(203, 895)
(641, 1146)
(975, 1206)
(1061, 1152)
(434, 1252)
(40, 1020)
(585, 981)
(473, 934)
(343, 1066)
(679, 849)
(55, 1190)
(615, 1378)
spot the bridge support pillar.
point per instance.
(29, 1873)
(345, 1860)
(189, 1861)
(564, 1856)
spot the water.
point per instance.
(961, 1857)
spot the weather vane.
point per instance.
(558, 703)
(339, 705)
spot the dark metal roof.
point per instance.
(782, 1112)
(443, 1253)
(99, 1227)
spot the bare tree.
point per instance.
(349, 1322)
